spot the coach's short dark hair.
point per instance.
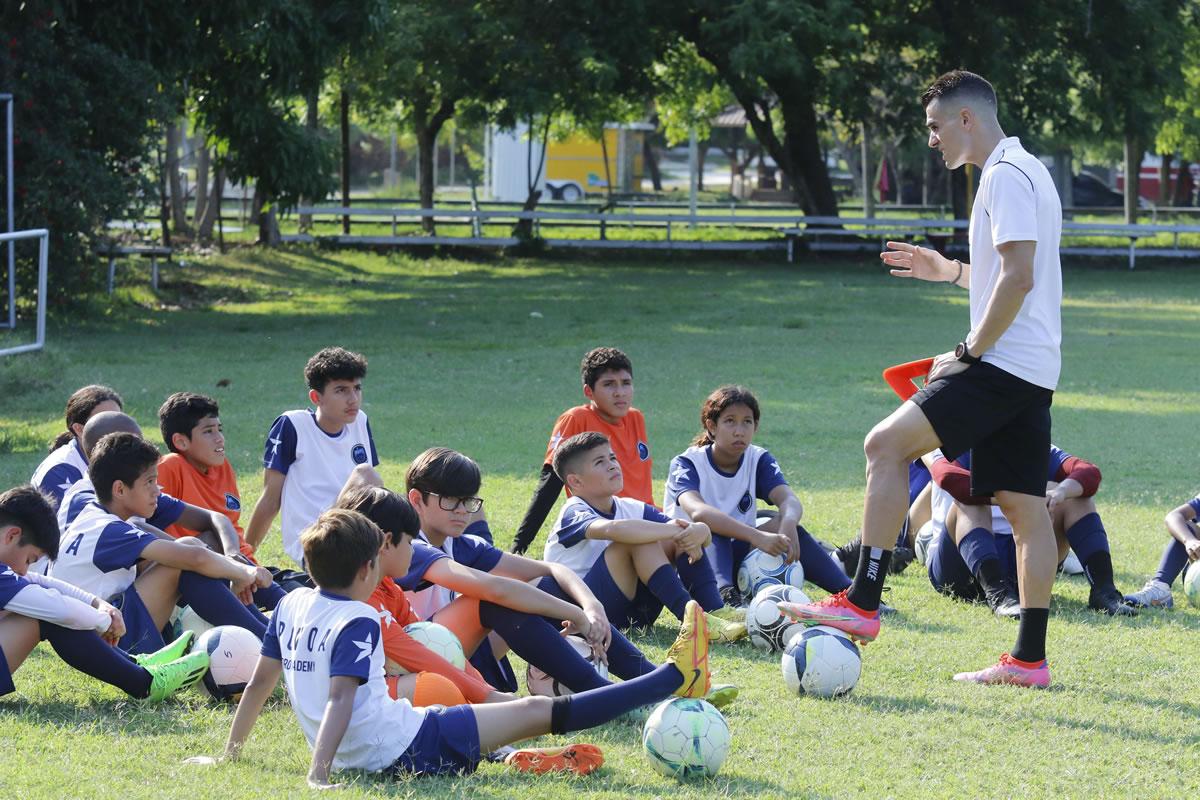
(31, 511)
(443, 471)
(957, 84)
(394, 515)
(120, 457)
(334, 364)
(182, 412)
(570, 453)
(600, 360)
(337, 545)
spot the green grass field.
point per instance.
(482, 355)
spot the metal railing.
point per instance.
(43, 274)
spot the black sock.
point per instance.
(1031, 635)
(867, 587)
(989, 575)
(1099, 571)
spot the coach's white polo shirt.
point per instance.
(1016, 202)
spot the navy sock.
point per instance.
(481, 529)
(538, 641)
(216, 605)
(700, 581)
(496, 671)
(666, 586)
(1031, 635)
(269, 597)
(1089, 540)
(598, 706)
(720, 554)
(978, 551)
(88, 653)
(1174, 559)
(867, 587)
(625, 660)
(819, 566)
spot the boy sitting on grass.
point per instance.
(624, 548)
(310, 453)
(79, 626)
(607, 377)
(325, 644)
(197, 472)
(138, 572)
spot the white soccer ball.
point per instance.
(1191, 584)
(758, 570)
(233, 655)
(686, 738)
(768, 627)
(439, 639)
(922, 542)
(186, 619)
(538, 682)
(821, 661)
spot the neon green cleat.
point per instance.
(729, 614)
(724, 632)
(172, 652)
(167, 679)
(722, 694)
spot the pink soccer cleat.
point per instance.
(1035, 675)
(837, 612)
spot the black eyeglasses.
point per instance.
(469, 504)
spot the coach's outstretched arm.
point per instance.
(912, 261)
(1015, 281)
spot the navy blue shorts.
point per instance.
(949, 574)
(623, 613)
(6, 681)
(141, 634)
(446, 743)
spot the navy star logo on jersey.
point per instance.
(365, 648)
(359, 454)
(745, 503)
(643, 451)
(232, 503)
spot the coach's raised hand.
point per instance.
(910, 261)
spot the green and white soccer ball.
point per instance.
(439, 639)
(1191, 584)
(538, 682)
(686, 738)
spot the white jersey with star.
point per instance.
(318, 635)
(568, 543)
(59, 470)
(733, 493)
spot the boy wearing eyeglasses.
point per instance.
(311, 452)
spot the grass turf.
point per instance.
(482, 355)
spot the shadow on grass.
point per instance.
(121, 718)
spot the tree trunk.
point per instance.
(1164, 178)
(268, 227)
(345, 109)
(523, 230)
(1133, 175)
(202, 162)
(163, 212)
(179, 217)
(651, 160)
(426, 140)
(1183, 185)
(804, 161)
(310, 122)
(212, 207)
(865, 171)
(256, 205)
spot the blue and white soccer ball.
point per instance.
(439, 639)
(821, 661)
(1191, 584)
(232, 656)
(768, 627)
(538, 682)
(686, 738)
(759, 569)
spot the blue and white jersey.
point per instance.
(471, 551)
(1195, 504)
(99, 552)
(733, 493)
(10, 584)
(60, 469)
(316, 465)
(568, 543)
(168, 512)
(318, 635)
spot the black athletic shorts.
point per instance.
(1002, 420)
